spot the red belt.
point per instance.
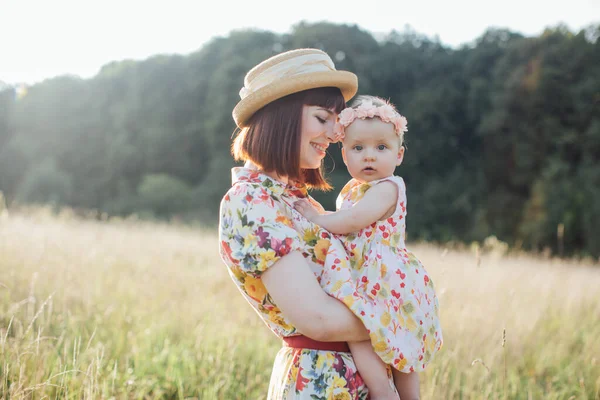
(303, 342)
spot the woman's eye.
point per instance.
(321, 120)
(382, 147)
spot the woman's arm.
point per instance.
(378, 200)
(295, 290)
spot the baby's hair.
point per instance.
(378, 102)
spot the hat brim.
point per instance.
(346, 81)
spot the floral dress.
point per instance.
(394, 283)
(258, 226)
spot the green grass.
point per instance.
(125, 309)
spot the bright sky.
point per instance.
(45, 38)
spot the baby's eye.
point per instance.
(382, 147)
(358, 147)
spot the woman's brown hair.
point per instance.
(272, 138)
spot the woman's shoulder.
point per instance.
(251, 187)
(247, 180)
(252, 202)
(241, 188)
(240, 194)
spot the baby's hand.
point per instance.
(306, 208)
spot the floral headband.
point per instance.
(366, 109)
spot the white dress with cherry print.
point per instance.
(405, 329)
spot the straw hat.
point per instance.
(287, 73)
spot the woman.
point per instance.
(286, 115)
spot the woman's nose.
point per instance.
(330, 134)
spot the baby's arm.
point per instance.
(378, 200)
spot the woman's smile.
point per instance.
(321, 149)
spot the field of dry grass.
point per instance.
(126, 309)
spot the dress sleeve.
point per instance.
(401, 200)
(254, 230)
(401, 206)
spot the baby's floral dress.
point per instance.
(258, 226)
(406, 331)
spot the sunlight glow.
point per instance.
(42, 39)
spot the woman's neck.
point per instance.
(282, 179)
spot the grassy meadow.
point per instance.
(124, 309)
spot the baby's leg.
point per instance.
(407, 385)
(373, 371)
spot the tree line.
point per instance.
(504, 133)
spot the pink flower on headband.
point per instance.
(347, 116)
(365, 110)
(386, 113)
(400, 123)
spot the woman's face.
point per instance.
(317, 134)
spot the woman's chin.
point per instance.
(314, 164)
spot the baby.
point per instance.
(371, 223)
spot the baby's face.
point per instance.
(371, 149)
